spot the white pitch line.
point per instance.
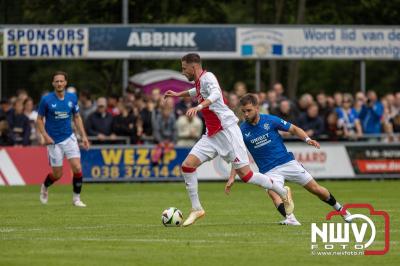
(138, 240)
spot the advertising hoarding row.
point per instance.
(211, 41)
(133, 163)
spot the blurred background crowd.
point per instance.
(136, 118)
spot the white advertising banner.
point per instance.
(319, 42)
(331, 161)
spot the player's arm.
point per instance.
(231, 180)
(40, 125)
(171, 93)
(213, 91)
(295, 130)
(81, 129)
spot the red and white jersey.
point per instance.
(218, 115)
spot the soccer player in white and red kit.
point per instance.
(223, 137)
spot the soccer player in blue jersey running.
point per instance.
(56, 111)
(262, 139)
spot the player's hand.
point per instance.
(48, 140)
(192, 112)
(85, 143)
(229, 185)
(170, 93)
(314, 143)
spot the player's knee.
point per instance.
(245, 176)
(188, 168)
(57, 175)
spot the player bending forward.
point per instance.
(261, 136)
(223, 137)
(54, 123)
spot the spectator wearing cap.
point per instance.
(371, 114)
(99, 123)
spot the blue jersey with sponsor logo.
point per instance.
(265, 143)
(58, 114)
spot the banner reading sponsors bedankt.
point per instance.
(45, 42)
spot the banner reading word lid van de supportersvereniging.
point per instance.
(162, 41)
(45, 42)
(319, 42)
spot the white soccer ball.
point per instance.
(172, 217)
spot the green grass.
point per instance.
(122, 226)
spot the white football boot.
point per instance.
(290, 220)
(44, 194)
(346, 216)
(193, 216)
(76, 201)
(288, 201)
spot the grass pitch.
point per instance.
(122, 225)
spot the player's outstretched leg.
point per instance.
(248, 176)
(324, 195)
(289, 219)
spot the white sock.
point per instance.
(266, 182)
(337, 206)
(192, 188)
(75, 196)
(290, 216)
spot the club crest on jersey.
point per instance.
(266, 126)
(70, 104)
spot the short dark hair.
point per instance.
(191, 58)
(60, 73)
(249, 98)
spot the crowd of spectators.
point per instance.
(149, 119)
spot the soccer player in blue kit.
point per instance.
(55, 113)
(263, 141)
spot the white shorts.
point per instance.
(292, 171)
(68, 147)
(228, 143)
